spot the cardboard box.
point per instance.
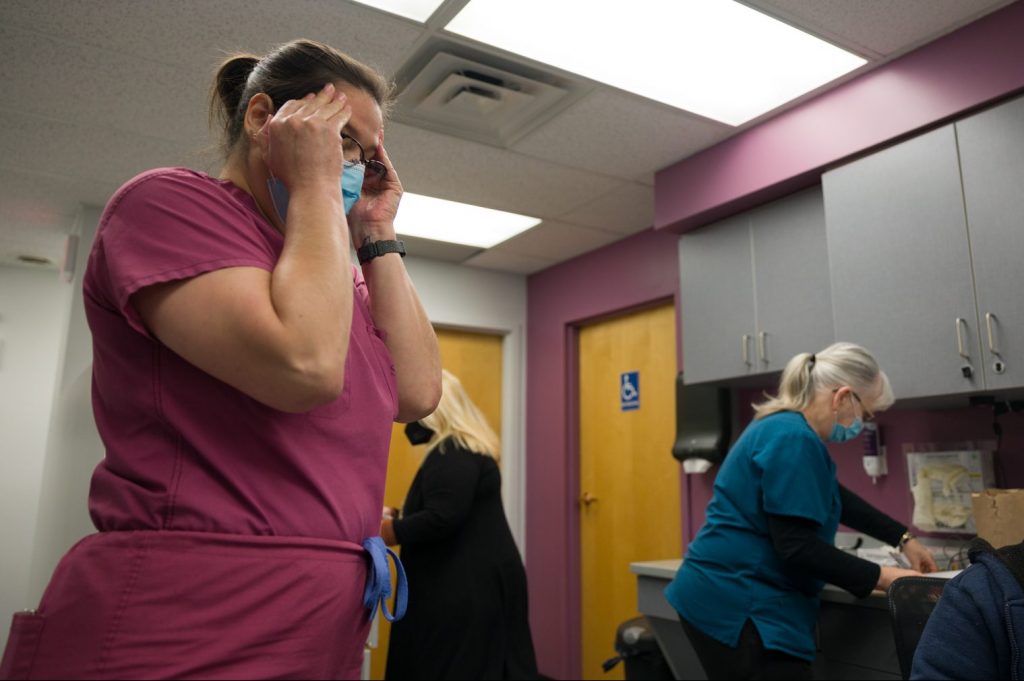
(999, 516)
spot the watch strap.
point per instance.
(375, 249)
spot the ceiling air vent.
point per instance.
(461, 97)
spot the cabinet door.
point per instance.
(901, 267)
(791, 279)
(992, 161)
(717, 301)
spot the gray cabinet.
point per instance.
(792, 294)
(717, 301)
(755, 290)
(926, 240)
(900, 260)
(992, 162)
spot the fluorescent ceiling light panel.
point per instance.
(457, 223)
(716, 58)
(418, 10)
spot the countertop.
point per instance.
(666, 570)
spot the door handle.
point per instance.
(586, 499)
(991, 336)
(746, 349)
(762, 349)
(960, 321)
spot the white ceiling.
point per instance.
(96, 92)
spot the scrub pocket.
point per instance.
(22, 644)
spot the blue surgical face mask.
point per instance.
(841, 433)
(351, 187)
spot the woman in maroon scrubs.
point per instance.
(245, 378)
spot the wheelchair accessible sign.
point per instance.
(629, 391)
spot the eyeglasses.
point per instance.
(354, 153)
(868, 414)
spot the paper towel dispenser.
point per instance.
(703, 425)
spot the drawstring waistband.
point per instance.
(378, 581)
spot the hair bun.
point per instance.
(231, 80)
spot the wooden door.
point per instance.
(629, 483)
(476, 359)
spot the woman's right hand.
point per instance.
(888, 575)
(301, 144)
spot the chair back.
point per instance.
(911, 601)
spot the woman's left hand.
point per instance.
(920, 557)
(373, 216)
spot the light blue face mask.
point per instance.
(351, 187)
(841, 433)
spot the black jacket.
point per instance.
(467, 616)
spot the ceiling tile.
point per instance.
(450, 168)
(558, 241)
(199, 33)
(34, 144)
(883, 27)
(621, 135)
(495, 259)
(110, 88)
(626, 209)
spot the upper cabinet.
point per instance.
(901, 265)
(792, 292)
(925, 241)
(755, 290)
(992, 164)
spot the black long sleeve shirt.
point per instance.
(796, 542)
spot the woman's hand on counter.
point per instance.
(888, 575)
(920, 557)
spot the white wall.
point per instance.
(484, 300)
(73, 446)
(33, 317)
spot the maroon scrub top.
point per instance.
(230, 532)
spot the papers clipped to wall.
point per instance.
(942, 483)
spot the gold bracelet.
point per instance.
(907, 536)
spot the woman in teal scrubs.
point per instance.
(747, 592)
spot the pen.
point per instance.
(900, 559)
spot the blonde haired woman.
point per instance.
(467, 616)
(747, 592)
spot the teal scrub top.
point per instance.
(731, 572)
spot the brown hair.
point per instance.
(291, 71)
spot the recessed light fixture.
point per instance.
(417, 10)
(458, 223)
(716, 58)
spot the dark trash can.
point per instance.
(639, 651)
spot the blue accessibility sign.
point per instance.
(629, 391)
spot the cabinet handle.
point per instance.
(746, 349)
(991, 336)
(762, 351)
(959, 339)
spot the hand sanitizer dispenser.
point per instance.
(875, 463)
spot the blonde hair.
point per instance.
(840, 364)
(456, 417)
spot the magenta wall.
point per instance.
(963, 70)
(634, 272)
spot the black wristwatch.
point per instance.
(378, 248)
